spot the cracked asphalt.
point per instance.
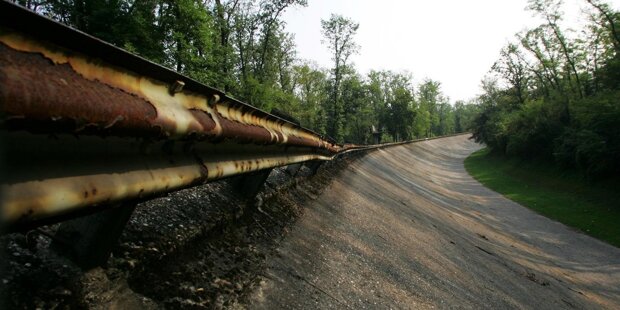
(407, 228)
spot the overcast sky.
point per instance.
(452, 41)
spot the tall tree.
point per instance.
(270, 14)
(550, 10)
(376, 94)
(338, 33)
(400, 107)
(224, 15)
(513, 69)
(605, 28)
(429, 99)
(609, 19)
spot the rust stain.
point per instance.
(33, 199)
(205, 120)
(32, 87)
(68, 87)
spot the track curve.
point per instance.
(407, 227)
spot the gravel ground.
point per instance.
(199, 248)
(408, 228)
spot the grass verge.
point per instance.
(593, 208)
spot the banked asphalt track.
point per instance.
(407, 228)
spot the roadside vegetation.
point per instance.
(562, 195)
(554, 93)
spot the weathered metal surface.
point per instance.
(53, 176)
(69, 91)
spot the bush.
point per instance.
(585, 150)
(592, 143)
(531, 130)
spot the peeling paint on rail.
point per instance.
(115, 100)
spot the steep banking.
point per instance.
(407, 227)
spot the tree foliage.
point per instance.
(559, 98)
(338, 32)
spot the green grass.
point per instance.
(593, 208)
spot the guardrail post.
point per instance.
(250, 184)
(88, 241)
(293, 169)
(314, 165)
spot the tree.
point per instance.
(338, 33)
(429, 98)
(464, 113)
(356, 110)
(401, 114)
(269, 16)
(377, 90)
(188, 35)
(551, 12)
(311, 88)
(224, 15)
(513, 69)
(609, 19)
(605, 28)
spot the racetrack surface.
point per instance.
(406, 227)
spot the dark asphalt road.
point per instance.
(408, 228)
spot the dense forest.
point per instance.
(554, 93)
(242, 48)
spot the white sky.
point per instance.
(452, 41)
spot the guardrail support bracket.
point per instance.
(314, 165)
(250, 184)
(293, 169)
(88, 241)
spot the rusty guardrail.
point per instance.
(85, 125)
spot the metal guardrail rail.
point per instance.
(85, 125)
